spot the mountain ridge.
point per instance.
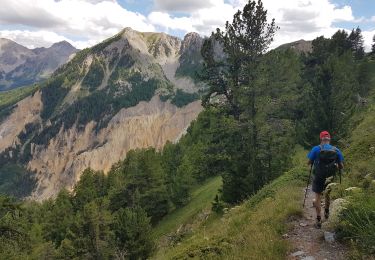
(300, 46)
(21, 66)
(73, 120)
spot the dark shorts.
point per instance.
(319, 184)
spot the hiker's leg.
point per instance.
(326, 204)
(327, 193)
(327, 199)
(317, 204)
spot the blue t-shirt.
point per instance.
(314, 153)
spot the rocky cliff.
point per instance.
(121, 94)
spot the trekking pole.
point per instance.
(340, 174)
(307, 186)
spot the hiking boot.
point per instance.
(318, 223)
(326, 213)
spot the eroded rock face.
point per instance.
(149, 124)
(27, 111)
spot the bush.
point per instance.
(132, 228)
(183, 98)
(358, 222)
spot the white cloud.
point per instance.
(166, 22)
(182, 5)
(86, 22)
(297, 19)
(201, 19)
(90, 20)
(304, 19)
(33, 39)
(368, 35)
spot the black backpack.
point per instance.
(327, 162)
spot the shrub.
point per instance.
(358, 222)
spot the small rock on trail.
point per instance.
(298, 253)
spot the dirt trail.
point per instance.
(308, 242)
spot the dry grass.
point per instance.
(252, 230)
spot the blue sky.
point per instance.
(87, 22)
(363, 10)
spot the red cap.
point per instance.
(325, 135)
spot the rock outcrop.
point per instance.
(149, 124)
(300, 46)
(26, 111)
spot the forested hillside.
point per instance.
(262, 110)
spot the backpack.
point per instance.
(327, 162)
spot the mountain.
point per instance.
(121, 94)
(300, 46)
(20, 66)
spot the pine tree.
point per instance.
(59, 217)
(242, 42)
(14, 238)
(340, 42)
(91, 185)
(230, 61)
(133, 234)
(373, 46)
(142, 174)
(356, 41)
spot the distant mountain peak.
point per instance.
(302, 46)
(5, 40)
(22, 66)
(62, 44)
(192, 35)
(8, 42)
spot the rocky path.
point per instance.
(308, 242)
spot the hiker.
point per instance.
(325, 160)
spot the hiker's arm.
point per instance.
(340, 159)
(340, 165)
(311, 156)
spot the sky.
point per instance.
(83, 23)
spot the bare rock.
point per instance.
(353, 189)
(148, 124)
(298, 253)
(308, 258)
(329, 237)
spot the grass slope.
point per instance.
(357, 225)
(252, 230)
(13, 96)
(201, 199)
